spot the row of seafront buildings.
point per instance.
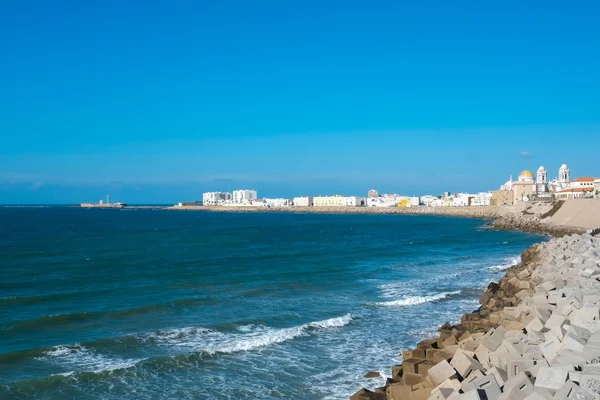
(527, 187)
(374, 199)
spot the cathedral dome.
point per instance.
(541, 169)
(526, 174)
(564, 167)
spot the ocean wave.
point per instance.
(251, 337)
(506, 265)
(184, 346)
(416, 300)
(80, 358)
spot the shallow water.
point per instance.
(122, 304)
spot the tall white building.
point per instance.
(244, 196)
(215, 198)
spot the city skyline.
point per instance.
(158, 103)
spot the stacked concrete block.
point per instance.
(535, 337)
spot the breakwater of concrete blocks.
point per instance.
(536, 336)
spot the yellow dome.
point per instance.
(526, 174)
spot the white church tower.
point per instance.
(541, 182)
(564, 176)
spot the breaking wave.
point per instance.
(503, 267)
(416, 300)
(251, 337)
(184, 342)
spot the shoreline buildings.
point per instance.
(527, 187)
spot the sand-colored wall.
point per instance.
(583, 213)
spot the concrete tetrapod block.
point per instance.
(440, 372)
(556, 331)
(420, 394)
(550, 349)
(572, 391)
(590, 383)
(515, 367)
(464, 364)
(441, 394)
(488, 384)
(573, 343)
(490, 343)
(483, 356)
(585, 314)
(411, 365)
(473, 376)
(398, 392)
(554, 297)
(554, 321)
(498, 374)
(533, 371)
(551, 378)
(535, 325)
(450, 384)
(518, 387)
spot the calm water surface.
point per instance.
(126, 304)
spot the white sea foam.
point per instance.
(416, 300)
(252, 336)
(506, 265)
(80, 358)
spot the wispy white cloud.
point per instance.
(525, 154)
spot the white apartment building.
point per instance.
(244, 197)
(338, 201)
(329, 201)
(431, 201)
(278, 202)
(461, 199)
(306, 201)
(381, 202)
(215, 198)
(414, 201)
(482, 199)
(354, 201)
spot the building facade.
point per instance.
(278, 202)
(244, 197)
(373, 193)
(306, 201)
(215, 198)
(482, 199)
(502, 197)
(338, 201)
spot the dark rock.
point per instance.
(372, 374)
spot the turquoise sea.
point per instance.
(152, 304)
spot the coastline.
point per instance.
(503, 343)
(556, 219)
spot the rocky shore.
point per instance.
(536, 335)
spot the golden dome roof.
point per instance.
(526, 174)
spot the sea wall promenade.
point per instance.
(535, 336)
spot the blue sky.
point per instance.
(157, 102)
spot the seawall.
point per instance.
(535, 336)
